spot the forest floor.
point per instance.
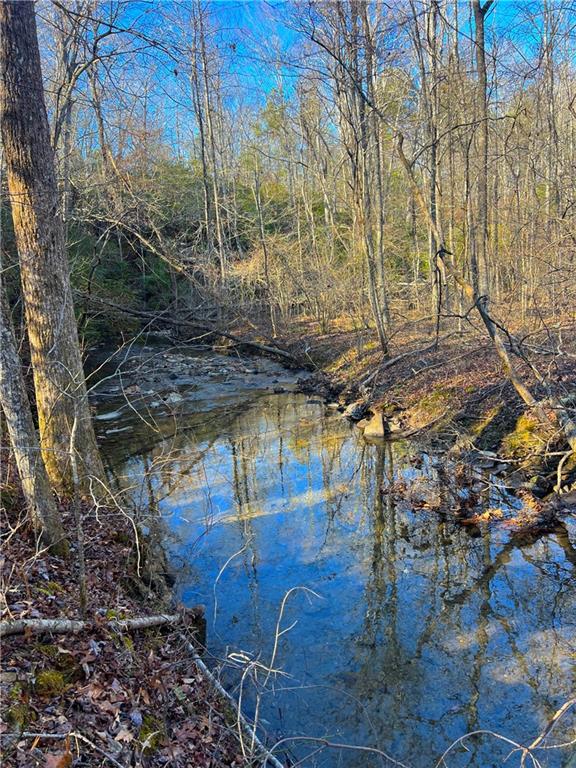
(100, 697)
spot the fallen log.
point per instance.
(192, 322)
(72, 626)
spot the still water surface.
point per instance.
(407, 630)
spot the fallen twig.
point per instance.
(62, 737)
(71, 626)
(260, 748)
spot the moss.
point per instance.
(50, 588)
(16, 692)
(20, 715)
(152, 733)
(64, 663)
(48, 650)
(432, 407)
(50, 682)
(525, 438)
(128, 643)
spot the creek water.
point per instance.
(394, 627)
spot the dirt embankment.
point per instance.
(453, 393)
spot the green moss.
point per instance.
(152, 733)
(65, 663)
(48, 650)
(485, 422)
(50, 588)
(525, 438)
(50, 682)
(20, 715)
(432, 406)
(128, 643)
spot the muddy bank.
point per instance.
(453, 396)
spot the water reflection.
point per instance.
(422, 631)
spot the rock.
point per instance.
(376, 426)
(173, 397)
(278, 390)
(356, 411)
(568, 498)
(393, 425)
(333, 406)
(570, 526)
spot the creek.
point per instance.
(395, 627)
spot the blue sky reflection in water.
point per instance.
(421, 631)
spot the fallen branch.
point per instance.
(410, 353)
(191, 322)
(265, 754)
(72, 626)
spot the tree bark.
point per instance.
(41, 505)
(55, 351)
(71, 626)
(480, 12)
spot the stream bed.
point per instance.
(336, 563)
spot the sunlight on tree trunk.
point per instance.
(58, 375)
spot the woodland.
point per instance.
(379, 196)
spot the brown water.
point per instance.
(401, 629)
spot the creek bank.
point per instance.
(455, 399)
(134, 696)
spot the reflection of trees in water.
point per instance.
(456, 601)
(242, 468)
(439, 606)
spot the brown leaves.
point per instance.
(59, 759)
(121, 691)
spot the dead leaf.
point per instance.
(124, 735)
(58, 760)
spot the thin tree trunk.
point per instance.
(41, 505)
(480, 12)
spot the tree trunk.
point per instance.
(480, 12)
(41, 505)
(55, 351)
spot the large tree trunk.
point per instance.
(41, 505)
(58, 375)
